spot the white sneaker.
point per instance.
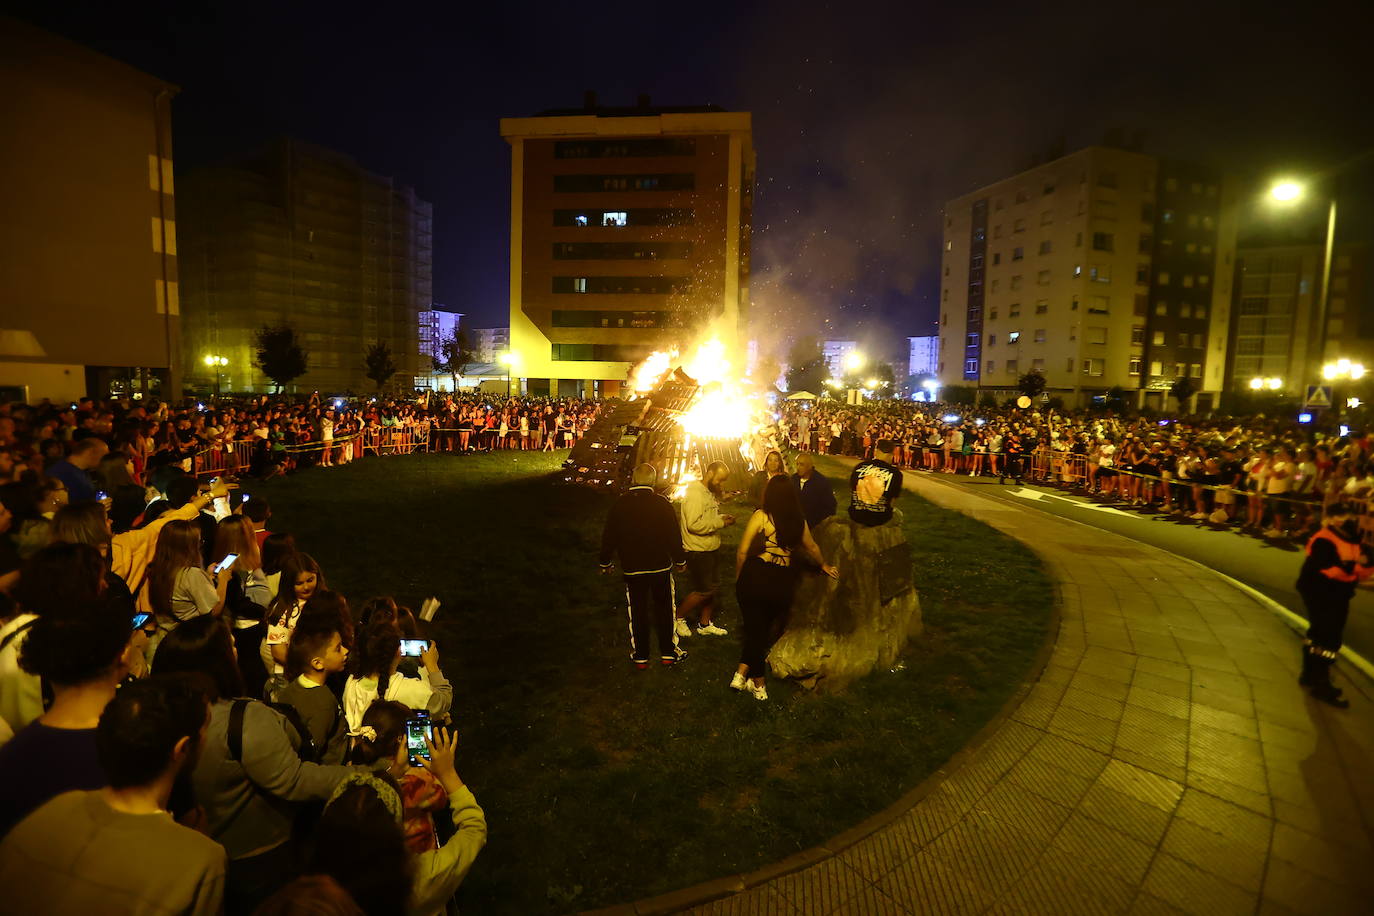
(1272, 533)
(711, 629)
(1198, 516)
(760, 692)
(738, 682)
(682, 629)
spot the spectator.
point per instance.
(116, 849)
(246, 597)
(362, 844)
(817, 496)
(258, 511)
(642, 531)
(310, 895)
(317, 650)
(178, 588)
(249, 779)
(275, 549)
(382, 746)
(75, 469)
(702, 523)
(54, 580)
(375, 676)
(765, 578)
(873, 486)
(79, 652)
(304, 573)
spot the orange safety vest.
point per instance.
(1347, 552)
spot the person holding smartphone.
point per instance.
(374, 676)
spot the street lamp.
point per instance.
(854, 361)
(1343, 369)
(510, 360)
(1288, 191)
(218, 362)
(1273, 384)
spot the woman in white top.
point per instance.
(1276, 486)
(304, 579)
(374, 676)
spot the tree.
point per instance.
(806, 366)
(1182, 389)
(455, 355)
(1031, 384)
(280, 355)
(380, 366)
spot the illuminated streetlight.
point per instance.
(1343, 369)
(871, 384)
(218, 362)
(1273, 384)
(1256, 383)
(1286, 191)
(854, 361)
(511, 360)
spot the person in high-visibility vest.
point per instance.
(1336, 562)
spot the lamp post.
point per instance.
(1288, 192)
(1342, 370)
(510, 360)
(218, 362)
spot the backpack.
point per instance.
(305, 749)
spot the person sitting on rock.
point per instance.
(873, 486)
(817, 498)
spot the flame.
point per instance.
(720, 412)
(680, 491)
(648, 374)
(709, 363)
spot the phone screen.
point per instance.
(411, 648)
(140, 619)
(101, 495)
(417, 729)
(226, 562)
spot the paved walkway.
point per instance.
(1165, 761)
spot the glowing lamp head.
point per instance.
(854, 361)
(1256, 383)
(1286, 191)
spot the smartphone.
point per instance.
(101, 495)
(140, 619)
(226, 562)
(411, 648)
(244, 499)
(417, 729)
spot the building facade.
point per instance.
(835, 353)
(490, 344)
(89, 300)
(434, 326)
(924, 355)
(300, 235)
(1103, 269)
(629, 233)
(1277, 334)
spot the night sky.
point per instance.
(867, 116)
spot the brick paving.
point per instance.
(1165, 761)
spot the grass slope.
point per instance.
(602, 784)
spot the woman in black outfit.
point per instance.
(766, 577)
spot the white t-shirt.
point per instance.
(21, 693)
(359, 693)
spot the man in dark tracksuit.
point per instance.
(1336, 562)
(642, 530)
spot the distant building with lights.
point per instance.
(1276, 333)
(488, 344)
(630, 230)
(89, 298)
(435, 325)
(924, 355)
(1106, 268)
(301, 235)
(835, 352)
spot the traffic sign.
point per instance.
(1318, 396)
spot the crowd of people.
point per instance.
(1267, 476)
(191, 719)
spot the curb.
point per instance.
(729, 885)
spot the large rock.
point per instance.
(840, 630)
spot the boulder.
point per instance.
(842, 629)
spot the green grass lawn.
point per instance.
(603, 784)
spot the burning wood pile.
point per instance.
(683, 417)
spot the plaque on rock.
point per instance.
(894, 572)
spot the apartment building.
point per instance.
(1103, 269)
(89, 300)
(923, 355)
(629, 233)
(301, 235)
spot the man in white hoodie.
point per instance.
(702, 522)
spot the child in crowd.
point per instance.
(381, 746)
(316, 650)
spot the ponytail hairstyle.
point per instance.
(376, 654)
(387, 719)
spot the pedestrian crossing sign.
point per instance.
(1318, 396)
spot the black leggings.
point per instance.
(764, 592)
(1326, 620)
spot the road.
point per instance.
(1266, 567)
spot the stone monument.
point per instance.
(842, 629)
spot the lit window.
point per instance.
(1135, 365)
(1204, 279)
(1161, 308)
(1187, 281)
(1077, 271)
(1195, 370)
(1162, 278)
(949, 246)
(580, 219)
(1157, 338)
(579, 284)
(1180, 370)
(1156, 368)
(619, 218)
(1013, 337)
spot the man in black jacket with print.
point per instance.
(642, 532)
